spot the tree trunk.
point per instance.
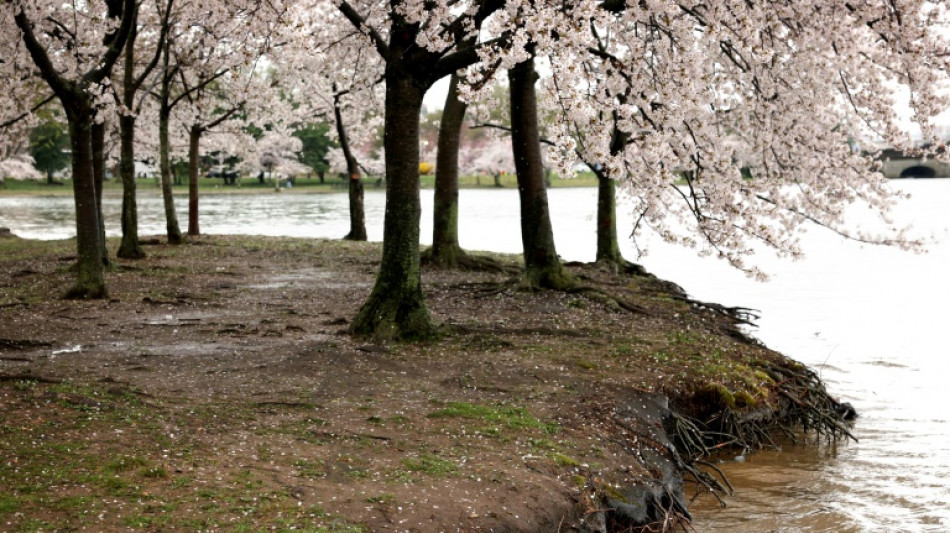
(90, 273)
(357, 211)
(129, 247)
(396, 307)
(543, 269)
(171, 219)
(99, 173)
(445, 225)
(608, 248)
(194, 138)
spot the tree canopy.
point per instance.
(730, 124)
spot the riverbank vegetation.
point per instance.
(300, 184)
(217, 389)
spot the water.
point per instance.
(872, 320)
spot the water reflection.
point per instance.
(871, 320)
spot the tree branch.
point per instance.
(25, 114)
(359, 22)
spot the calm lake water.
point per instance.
(874, 321)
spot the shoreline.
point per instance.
(225, 365)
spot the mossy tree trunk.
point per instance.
(445, 227)
(396, 306)
(90, 271)
(77, 100)
(354, 178)
(543, 268)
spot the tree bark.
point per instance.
(99, 174)
(396, 306)
(608, 248)
(543, 269)
(129, 248)
(445, 242)
(90, 273)
(194, 138)
(172, 229)
(355, 180)
(77, 101)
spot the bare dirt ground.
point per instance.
(217, 389)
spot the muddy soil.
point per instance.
(218, 389)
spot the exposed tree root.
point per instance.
(608, 298)
(677, 447)
(517, 331)
(464, 261)
(596, 294)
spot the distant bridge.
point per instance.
(896, 164)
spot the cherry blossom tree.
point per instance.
(419, 44)
(339, 80)
(131, 105)
(73, 48)
(694, 88)
(208, 58)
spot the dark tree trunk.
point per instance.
(77, 101)
(542, 266)
(194, 138)
(99, 173)
(396, 307)
(608, 248)
(497, 177)
(129, 247)
(445, 227)
(357, 212)
(90, 278)
(172, 229)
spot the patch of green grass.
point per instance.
(8, 503)
(585, 364)
(577, 303)
(155, 473)
(124, 464)
(509, 417)
(430, 464)
(382, 498)
(683, 338)
(563, 460)
(311, 469)
(182, 481)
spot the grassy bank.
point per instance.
(217, 389)
(301, 184)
